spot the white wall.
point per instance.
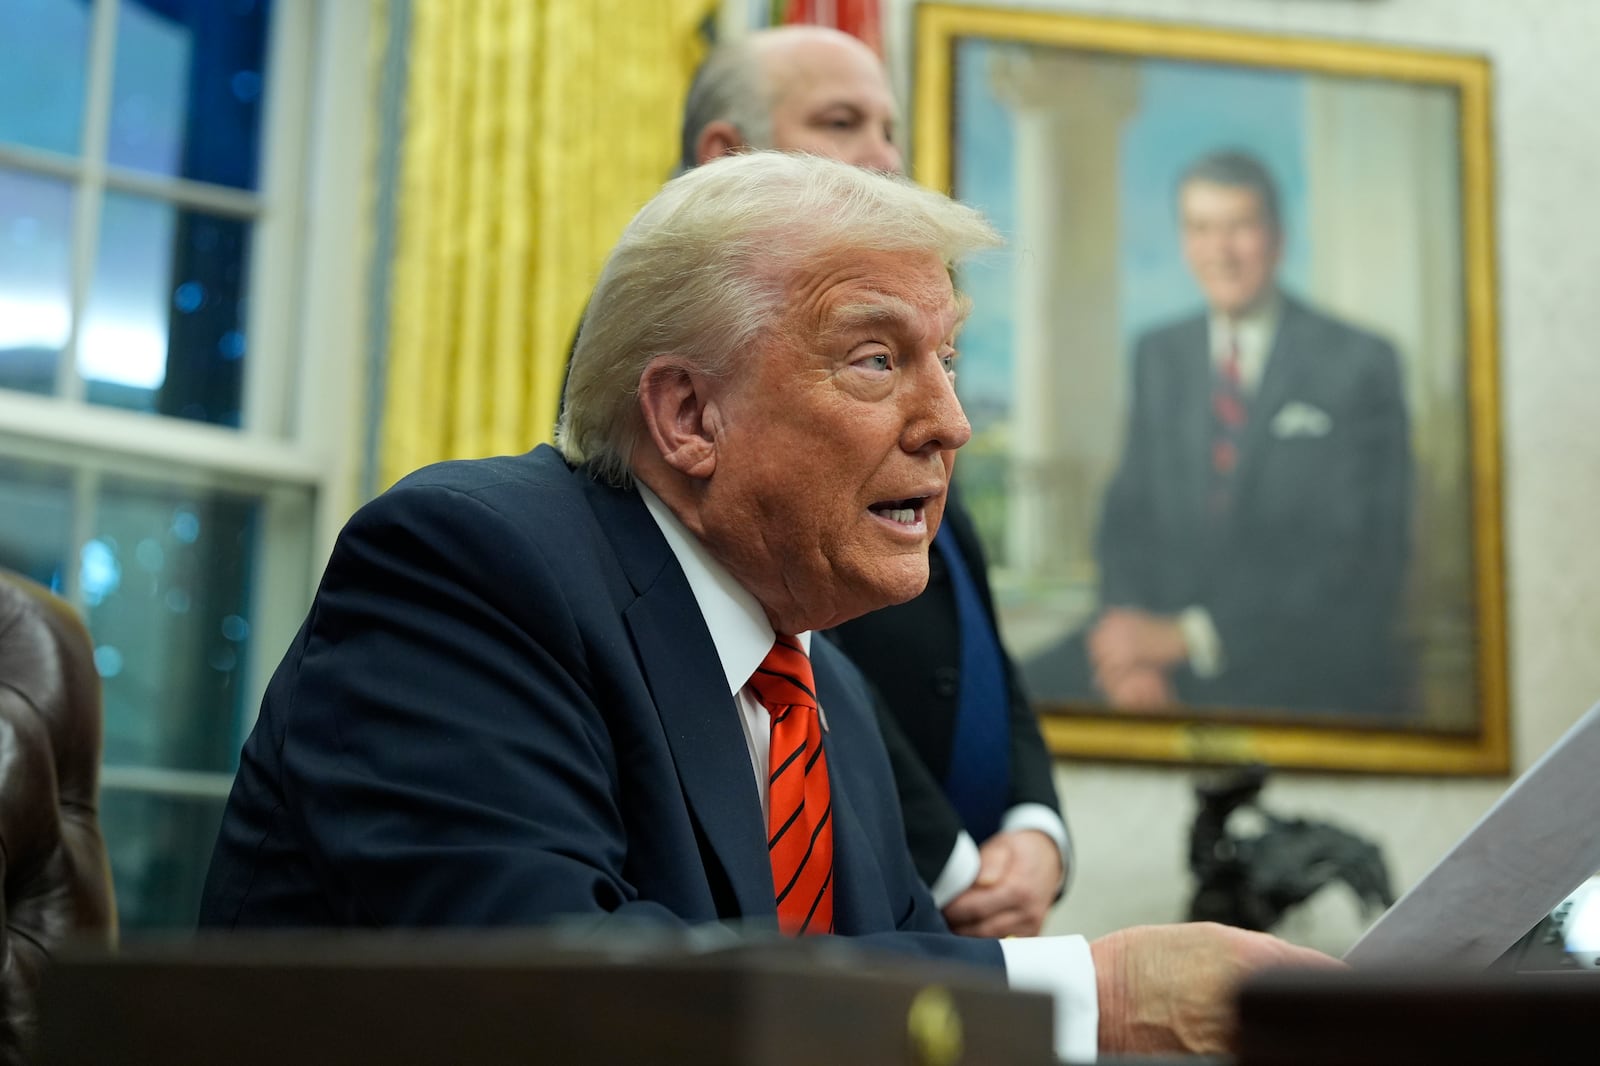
(1131, 823)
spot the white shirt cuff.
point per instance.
(1063, 967)
(961, 869)
(1038, 816)
(1205, 646)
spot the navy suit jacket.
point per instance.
(505, 708)
(1303, 575)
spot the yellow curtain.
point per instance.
(534, 129)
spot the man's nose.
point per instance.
(880, 154)
(938, 422)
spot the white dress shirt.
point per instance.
(1058, 965)
(1254, 331)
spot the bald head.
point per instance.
(794, 88)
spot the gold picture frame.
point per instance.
(1081, 137)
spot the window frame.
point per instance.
(307, 290)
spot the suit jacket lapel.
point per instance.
(1191, 412)
(855, 864)
(698, 714)
(1277, 377)
(970, 546)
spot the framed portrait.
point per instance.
(1232, 386)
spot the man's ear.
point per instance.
(673, 403)
(717, 139)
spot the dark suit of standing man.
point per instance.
(1253, 543)
(993, 872)
(922, 692)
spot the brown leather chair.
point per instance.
(52, 856)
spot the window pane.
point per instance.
(166, 583)
(186, 94)
(35, 278)
(164, 327)
(44, 48)
(35, 520)
(172, 585)
(160, 847)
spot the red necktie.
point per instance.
(799, 812)
(1228, 418)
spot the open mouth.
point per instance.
(909, 513)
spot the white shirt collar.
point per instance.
(1254, 332)
(738, 625)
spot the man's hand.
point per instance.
(1017, 882)
(1125, 638)
(1170, 988)
(1143, 688)
(1131, 652)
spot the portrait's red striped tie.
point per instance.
(1228, 409)
(799, 811)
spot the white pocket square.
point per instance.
(1299, 419)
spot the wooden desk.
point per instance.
(521, 999)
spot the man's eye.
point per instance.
(948, 360)
(876, 361)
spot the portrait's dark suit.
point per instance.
(911, 654)
(505, 708)
(1302, 573)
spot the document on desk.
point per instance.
(1536, 845)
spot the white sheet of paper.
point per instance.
(1537, 844)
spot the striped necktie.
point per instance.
(799, 811)
(1228, 419)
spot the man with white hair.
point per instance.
(973, 773)
(581, 686)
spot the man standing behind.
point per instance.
(1253, 542)
(968, 757)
